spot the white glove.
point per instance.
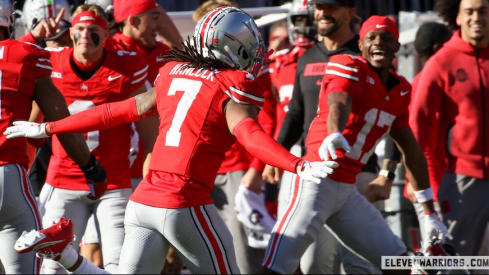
(26, 129)
(433, 227)
(331, 143)
(315, 171)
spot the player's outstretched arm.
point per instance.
(241, 122)
(101, 117)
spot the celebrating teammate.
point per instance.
(25, 74)
(89, 75)
(361, 100)
(204, 96)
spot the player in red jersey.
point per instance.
(137, 27)
(25, 76)
(203, 99)
(361, 101)
(89, 75)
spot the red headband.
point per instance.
(379, 23)
(124, 8)
(89, 17)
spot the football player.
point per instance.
(237, 168)
(361, 101)
(25, 72)
(88, 75)
(206, 98)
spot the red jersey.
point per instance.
(375, 112)
(237, 158)
(120, 74)
(193, 133)
(283, 76)
(154, 57)
(20, 65)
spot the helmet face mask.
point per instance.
(230, 35)
(300, 20)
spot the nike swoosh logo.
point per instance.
(114, 78)
(160, 59)
(381, 26)
(404, 93)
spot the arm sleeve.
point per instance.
(266, 117)
(292, 126)
(101, 117)
(263, 146)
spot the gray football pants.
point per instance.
(108, 214)
(18, 213)
(198, 234)
(225, 188)
(326, 254)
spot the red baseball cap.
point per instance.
(123, 8)
(376, 22)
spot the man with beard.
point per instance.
(452, 98)
(333, 19)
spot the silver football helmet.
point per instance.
(305, 34)
(106, 5)
(7, 19)
(35, 10)
(229, 34)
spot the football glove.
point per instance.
(26, 129)
(434, 228)
(332, 142)
(96, 177)
(315, 171)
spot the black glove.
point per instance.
(96, 177)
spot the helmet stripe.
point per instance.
(204, 28)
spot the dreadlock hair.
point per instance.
(428, 36)
(190, 54)
(448, 11)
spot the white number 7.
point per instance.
(190, 88)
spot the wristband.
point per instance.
(387, 174)
(424, 195)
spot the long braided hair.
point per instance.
(190, 54)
